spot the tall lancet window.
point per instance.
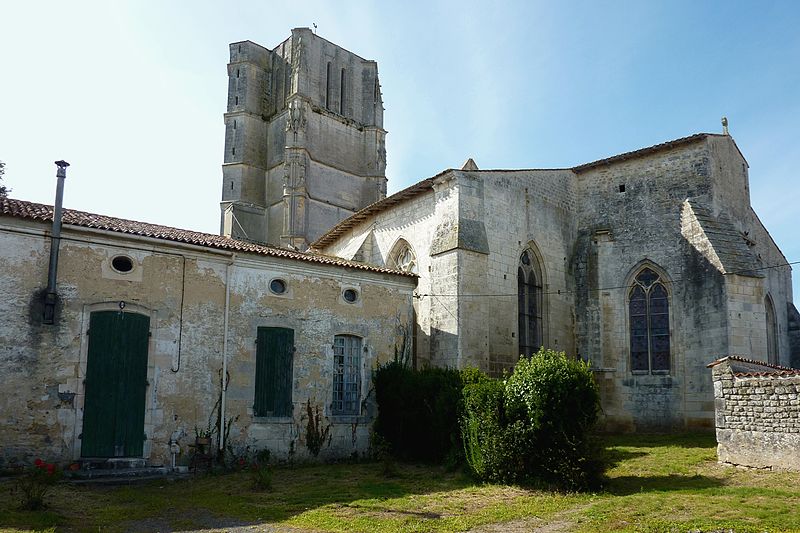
(529, 304)
(772, 333)
(648, 311)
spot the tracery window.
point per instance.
(529, 304)
(403, 257)
(346, 375)
(648, 309)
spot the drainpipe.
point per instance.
(55, 240)
(228, 271)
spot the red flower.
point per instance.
(51, 468)
(241, 460)
(38, 462)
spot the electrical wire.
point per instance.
(566, 291)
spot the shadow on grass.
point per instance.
(611, 457)
(659, 440)
(626, 485)
(228, 500)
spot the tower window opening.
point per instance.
(237, 72)
(233, 151)
(236, 100)
(234, 124)
(328, 87)
(342, 90)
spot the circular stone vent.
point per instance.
(122, 263)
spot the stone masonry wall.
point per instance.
(757, 414)
(182, 289)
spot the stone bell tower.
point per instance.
(304, 140)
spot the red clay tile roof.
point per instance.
(427, 184)
(40, 212)
(775, 370)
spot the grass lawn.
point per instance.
(655, 483)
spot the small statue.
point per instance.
(725, 126)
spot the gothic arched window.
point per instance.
(403, 257)
(648, 308)
(772, 335)
(529, 304)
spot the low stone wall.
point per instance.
(757, 413)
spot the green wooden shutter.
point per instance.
(116, 384)
(274, 355)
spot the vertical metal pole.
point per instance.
(55, 241)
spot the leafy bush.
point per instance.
(418, 411)
(535, 425)
(558, 400)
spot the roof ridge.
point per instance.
(72, 217)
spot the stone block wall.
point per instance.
(182, 289)
(757, 414)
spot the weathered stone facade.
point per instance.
(304, 139)
(680, 210)
(757, 413)
(206, 298)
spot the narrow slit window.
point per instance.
(328, 87)
(342, 93)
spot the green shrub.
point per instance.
(535, 425)
(558, 399)
(418, 411)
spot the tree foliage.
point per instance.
(3, 189)
(418, 411)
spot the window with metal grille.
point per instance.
(648, 311)
(346, 375)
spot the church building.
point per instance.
(649, 264)
(136, 340)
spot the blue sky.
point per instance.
(132, 93)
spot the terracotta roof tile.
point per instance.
(33, 211)
(774, 370)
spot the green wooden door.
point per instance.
(274, 354)
(116, 383)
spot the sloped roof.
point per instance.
(409, 192)
(642, 151)
(728, 243)
(772, 370)
(427, 184)
(41, 212)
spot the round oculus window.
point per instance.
(277, 286)
(122, 263)
(350, 295)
